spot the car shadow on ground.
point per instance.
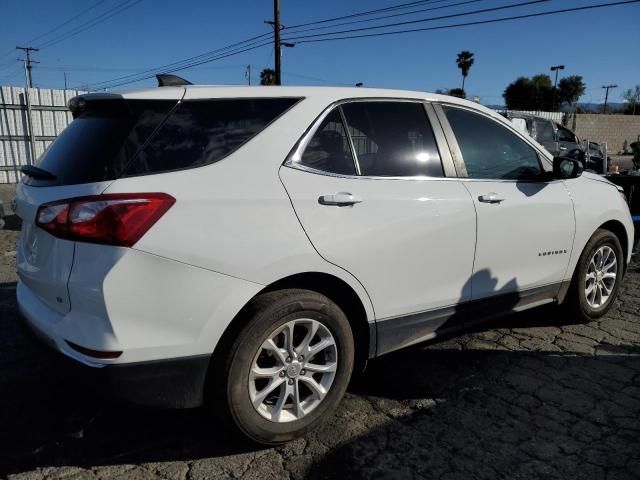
(450, 407)
(12, 222)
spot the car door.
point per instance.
(567, 140)
(525, 219)
(545, 134)
(378, 204)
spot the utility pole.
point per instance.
(555, 68)
(28, 63)
(276, 37)
(248, 74)
(65, 80)
(606, 95)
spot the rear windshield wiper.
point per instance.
(37, 172)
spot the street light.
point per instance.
(555, 68)
(606, 96)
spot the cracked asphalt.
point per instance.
(534, 395)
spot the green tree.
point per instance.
(520, 94)
(570, 89)
(268, 76)
(535, 93)
(543, 91)
(632, 96)
(464, 60)
(457, 92)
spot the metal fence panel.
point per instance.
(555, 116)
(49, 117)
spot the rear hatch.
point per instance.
(84, 160)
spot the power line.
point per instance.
(100, 2)
(365, 13)
(430, 19)
(308, 39)
(193, 64)
(175, 66)
(413, 12)
(59, 26)
(183, 64)
(103, 17)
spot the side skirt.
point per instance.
(399, 332)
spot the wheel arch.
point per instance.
(619, 230)
(337, 290)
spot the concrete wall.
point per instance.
(613, 129)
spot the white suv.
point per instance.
(248, 247)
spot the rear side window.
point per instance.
(329, 149)
(205, 131)
(101, 140)
(393, 139)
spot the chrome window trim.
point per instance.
(546, 165)
(293, 159)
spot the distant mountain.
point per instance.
(589, 107)
(595, 107)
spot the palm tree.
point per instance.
(268, 76)
(464, 61)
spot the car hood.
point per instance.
(600, 178)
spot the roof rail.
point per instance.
(170, 80)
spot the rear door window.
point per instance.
(205, 131)
(393, 139)
(328, 150)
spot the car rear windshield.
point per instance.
(114, 138)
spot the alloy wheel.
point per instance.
(601, 276)
(293, 370)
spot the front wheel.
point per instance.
(597, 277)
(288, 368)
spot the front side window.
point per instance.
(565, 135)
(393, 139)
(329, 149)
(490, 150)
(544, 130)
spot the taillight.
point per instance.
(113, 219)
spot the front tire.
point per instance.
(597, 277)
(288, 367)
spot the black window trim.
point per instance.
(543, 160)
(293, 159)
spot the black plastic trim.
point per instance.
(172, 383)
(399, 332)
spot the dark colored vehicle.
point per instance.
(551, 135)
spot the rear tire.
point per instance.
(288, 367)
(597, 277)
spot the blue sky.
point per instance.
(601, 45)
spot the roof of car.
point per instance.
(327, 94)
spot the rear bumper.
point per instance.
(171, 383)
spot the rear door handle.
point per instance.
(492, 197)
(340, 199)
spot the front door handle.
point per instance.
(492, 197)
(340, 199)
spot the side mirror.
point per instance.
(565, 168)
